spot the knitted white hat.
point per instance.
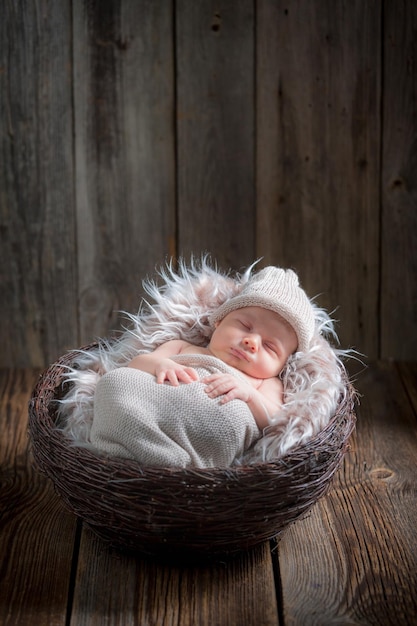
(278, 290)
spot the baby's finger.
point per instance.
(172, 377)
(192, 373)
(187, 375)
(161, 377)
(217, 389)
(211, 378)
(212, 388)
(230, 395)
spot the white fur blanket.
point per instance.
(165, 426)
(313, 381)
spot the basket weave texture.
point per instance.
(170, 512)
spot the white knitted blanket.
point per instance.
(166, 426)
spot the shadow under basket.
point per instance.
(183, 512)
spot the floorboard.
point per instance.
(116, 589)
(36, 532)
(352, 560)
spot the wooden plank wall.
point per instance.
(133, 131)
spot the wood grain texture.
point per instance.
(354, 559)
(408, 373)
(125, 186)
(399, 183)
(38, 305)
(36, 534)
(215, 121)
(132, 131)
(116, 589)
(318, 138)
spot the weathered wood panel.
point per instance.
(37, 534)
(399, 183)
(132, 131)
(38, 304)
(120, 590)
(215, 120)
(359, 543)
(125, 170)
(408, 372)
(318, 124)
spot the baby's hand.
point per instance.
(168, 370)
(228, 386)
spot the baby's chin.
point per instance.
(246, 369)
(260, 375)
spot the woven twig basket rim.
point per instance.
(176, 510)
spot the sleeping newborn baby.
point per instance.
(190, 406)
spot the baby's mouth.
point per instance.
(241, 354)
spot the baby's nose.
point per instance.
(250, 343)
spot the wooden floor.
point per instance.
(352, 560)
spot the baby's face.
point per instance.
(255, 341)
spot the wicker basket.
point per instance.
(170, 512)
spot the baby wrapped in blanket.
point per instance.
(184, 405)
(169, 425)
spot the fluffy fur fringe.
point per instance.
(313, 381)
